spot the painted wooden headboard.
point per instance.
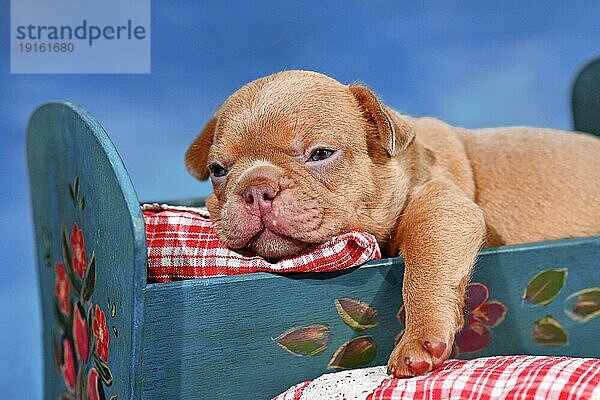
(83, 201)
(108, 333)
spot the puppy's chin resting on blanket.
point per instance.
(182, 244)
(296, 158)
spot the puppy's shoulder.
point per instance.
(433, 132)
(446, 151)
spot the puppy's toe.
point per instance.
(409, 358)
(417, 356)
(436, 349)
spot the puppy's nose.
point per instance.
(260, 197)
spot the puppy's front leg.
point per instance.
(440, 233)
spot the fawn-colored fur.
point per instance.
(428, 191)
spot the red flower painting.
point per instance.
(82, 361)
(101, 333)
(80, 333)
(482, 315)
(92, 385)
(78, 249)
(62, 289)
(68, 368)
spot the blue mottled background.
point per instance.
(470, 63)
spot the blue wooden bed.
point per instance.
(247, 336)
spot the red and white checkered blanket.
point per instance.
(505, 377)
(183, 245)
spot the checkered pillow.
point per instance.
(182, 245)
(505, 377)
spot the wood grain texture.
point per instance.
(215, 336)
(63, 142)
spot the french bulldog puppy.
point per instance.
(297, 157)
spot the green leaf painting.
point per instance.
(312, 340)
(584, 305)
(356, 314)
(76, 186)
(89, 282)
(355, 353)
(307, 340)
(545, 286)
(57, 352)
(103, 369)
(549, 332)
(81, 384)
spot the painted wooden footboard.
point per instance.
(229, 336)
(250, 336)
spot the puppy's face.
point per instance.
(294, 159)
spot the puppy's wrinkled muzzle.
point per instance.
(263, 215)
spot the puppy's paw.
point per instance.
(414, 355)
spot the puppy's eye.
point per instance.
(217, 170)
(321, 154)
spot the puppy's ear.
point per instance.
(196, 157)
(392, 132)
